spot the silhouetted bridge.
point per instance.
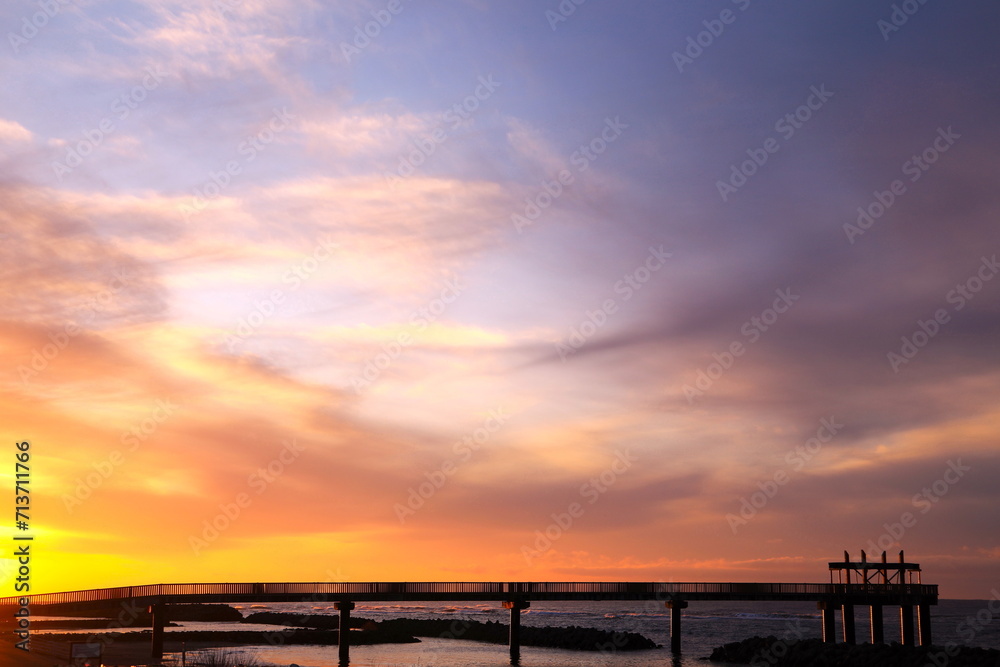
(516, 596)
(875, 585)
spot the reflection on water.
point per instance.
(705, 626)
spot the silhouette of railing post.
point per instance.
(906, 624)
(875, 621)
(847, 621)
(158, 610)
(675, 607)
(344, 634)
(826, 607)
(846, 608)
(924, 623)
(515, 607)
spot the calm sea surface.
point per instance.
(705, 626)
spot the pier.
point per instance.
(859, 583)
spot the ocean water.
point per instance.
(705, 625)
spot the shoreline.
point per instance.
(805, 652)
(119, 654)
(131, 647)
(732, 625)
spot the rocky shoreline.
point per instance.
(321, 629)
(572, 637)
(774, 652)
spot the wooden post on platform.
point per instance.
(875, 617)
(906, 624)
(829, 623)
(847, 620)
(675, 607)
(924, 623)
(344, 633)
(159, 613)
(515, 607)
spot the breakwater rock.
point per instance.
(573, 637)
(771, 651)
(318, 621)
(203, 612)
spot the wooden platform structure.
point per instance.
(880, 573)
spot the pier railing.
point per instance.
(485, 590)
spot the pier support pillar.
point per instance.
(924, 623)
(847, 620)
(829, 625)
(906, 625)
(344, 632)
(875, 617)
(515, 607)
(159, 613)
(675, 607)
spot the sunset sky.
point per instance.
(478, 290)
